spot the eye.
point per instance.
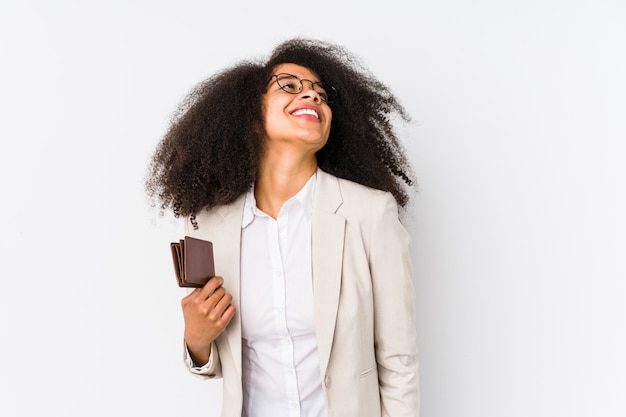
(289, 83)
(290, 86)
(321, 91)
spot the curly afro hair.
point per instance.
(210, 154)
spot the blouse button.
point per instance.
(327, 381)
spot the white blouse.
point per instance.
(281, 371)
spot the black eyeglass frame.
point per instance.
(331, 92)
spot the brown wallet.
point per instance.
(193, 261)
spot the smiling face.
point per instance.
(301, 120)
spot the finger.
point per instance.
(210, 287)
(222, 304)
(206, 306)
(190, 296)
(228, 314)
(214, 307)
(218, 294)
(222, 317)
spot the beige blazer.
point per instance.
(363, 298)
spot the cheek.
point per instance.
(273, 123)
(268, 115)
(272, 108)
(329, 122)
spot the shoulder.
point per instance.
(208, 219)
(370, 215)
(355, 196)
(355, 202)
(358, 192)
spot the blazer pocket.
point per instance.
(367, 372)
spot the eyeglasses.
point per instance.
(293, 85)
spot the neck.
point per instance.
(280, 178)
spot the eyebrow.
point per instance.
(301, 78)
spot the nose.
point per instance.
(308, 91)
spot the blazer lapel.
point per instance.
(328, 231)
(225, 229)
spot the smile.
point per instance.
(310, 112)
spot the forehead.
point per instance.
(297, 70)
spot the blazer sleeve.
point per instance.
(213, 368)
(394, 313)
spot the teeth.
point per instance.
(305, 111)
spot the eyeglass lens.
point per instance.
(293, 85)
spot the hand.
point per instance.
(207, 311)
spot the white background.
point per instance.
(519, 235)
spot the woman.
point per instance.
(292, 168)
